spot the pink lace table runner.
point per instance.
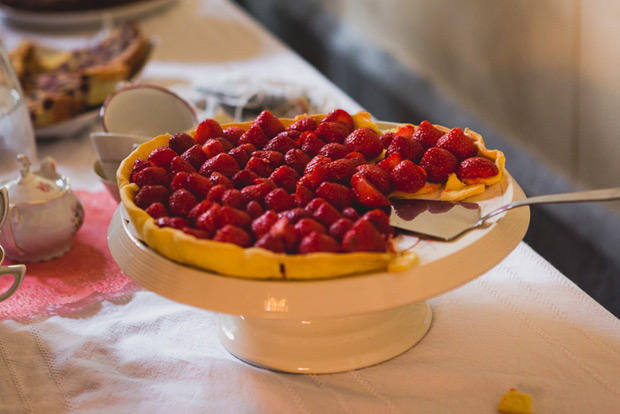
(86, 274)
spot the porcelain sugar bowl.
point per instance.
(44, 214)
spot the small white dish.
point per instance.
(108, 181)
(146, 110)
(112, 148)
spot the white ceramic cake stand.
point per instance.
(333, 325)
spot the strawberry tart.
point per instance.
(301, 198)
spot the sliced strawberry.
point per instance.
(476, 167)
(363, 237)
(233, 234)
(317, 242)
(439, 164)
(209, 128)
(390, 162)
(406, 131)
(367, 194)
(341, 116)
(377, 177)
(458, 144)
(332, 131)
(426, 134)
(150, 194)
(304, 124)
(408, 177)
(254, 136)
(181, 202)
(314, 204)
(408, 148)
(365, 141)
(181, 142)
(336, 194)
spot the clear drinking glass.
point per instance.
(16, 132)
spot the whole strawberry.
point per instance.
(476, 167)
(426, 134)
(408, 177)
(458, 144)
(365, 141)
(438, 164)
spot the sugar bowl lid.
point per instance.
(39, 186)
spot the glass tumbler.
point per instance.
(16, 132)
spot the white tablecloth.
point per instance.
(521, 325)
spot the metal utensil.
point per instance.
(444, 220)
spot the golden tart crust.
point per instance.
(256, 263)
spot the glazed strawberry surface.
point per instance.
(314, 186)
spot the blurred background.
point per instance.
(538, 79)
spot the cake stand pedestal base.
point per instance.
(325, 345)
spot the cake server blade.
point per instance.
(445, 220)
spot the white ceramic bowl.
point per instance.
(109, 182)
(112, 148)
(146, 110)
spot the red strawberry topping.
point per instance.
(408, 177)
(458, 144)
(209, 128)
(476, 167)
(426, 134)
(365, 141)
(439, 164)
